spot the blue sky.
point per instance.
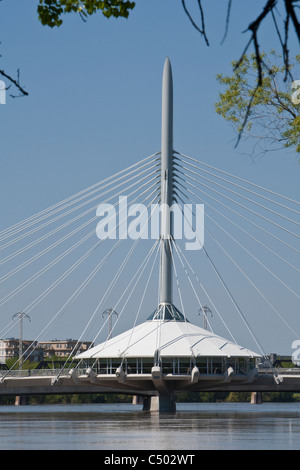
(94, 108)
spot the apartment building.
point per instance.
(36, 352)
(63, 348)
(9, 348)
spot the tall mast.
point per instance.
(166, 230)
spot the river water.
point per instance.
(109, 427)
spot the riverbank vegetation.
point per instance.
(195, 397)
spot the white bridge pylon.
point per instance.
(168, 352)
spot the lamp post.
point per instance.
(21, 315)
(110, 312)
(205, 309)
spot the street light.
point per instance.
(21, 315)
(110, 312)
(205, 309)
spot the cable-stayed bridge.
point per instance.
(226, 254)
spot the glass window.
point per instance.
(146, 365)
(202, 364)
(184, 365)
(217, 365)
(167, 365)
(131, 366)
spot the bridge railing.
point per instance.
(63, 373)
(37, 372)
(279, 370)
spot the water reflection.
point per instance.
(117, 427)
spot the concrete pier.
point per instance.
(161, 403)
(137, 400)
(256, 398)
(21, 400)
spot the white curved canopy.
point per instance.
(172, 338)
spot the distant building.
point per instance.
(37, 351)
(9, 348)
(63, 348)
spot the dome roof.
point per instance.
(166, 330)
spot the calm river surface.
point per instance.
(199, 426)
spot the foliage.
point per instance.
(266, 112)
(184, 397)
(51, 11)
(279, 397)
(234, 397)
(13, 363)
(282, 14)
(238, 397)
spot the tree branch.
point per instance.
(14, 82)
(201, 31)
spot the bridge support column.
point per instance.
(256, 398)
(21, 400)
(137, 400)
(161, 403)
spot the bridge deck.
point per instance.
(30, 382)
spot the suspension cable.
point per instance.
(77, 194)
(240, 179)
